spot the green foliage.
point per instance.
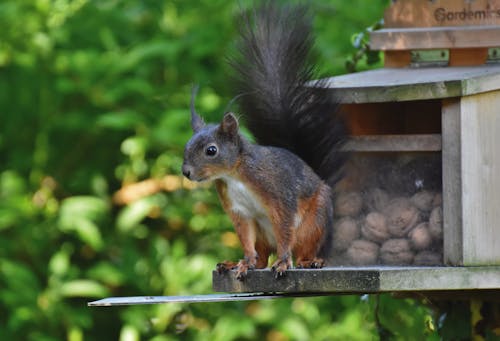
(93, 99)
(455, 322)
(361, 42)
(402, 319)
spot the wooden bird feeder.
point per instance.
(435, 105)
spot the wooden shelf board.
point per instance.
(363, 280)
(451, 37)
(394, 143)
(407, 84)
(436, 282)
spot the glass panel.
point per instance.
(388, 210)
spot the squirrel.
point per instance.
(277, 192)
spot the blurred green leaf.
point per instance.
(75, 334)
(129, 333)
(59, 263)
(84, 207)
(83, 288)
(134, 146)
(19, 283)
(131, 215)
(399, 317)
(11, 184)
(106, 273)
(296, 329)
(81, 214)
(233, 327)
(119, 120)
(164, 49)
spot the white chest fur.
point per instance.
(246, 204)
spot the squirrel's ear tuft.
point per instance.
(229, 124)
(196, 121)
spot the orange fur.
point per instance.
(302, 241)
(311, 233)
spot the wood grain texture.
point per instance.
(418, 13)
(406, 84)
(393, 143)
(435, 38)
(452, 182)
(393, 118)
(396, 58)
(363, 280)
(466, 57)
(480, 168)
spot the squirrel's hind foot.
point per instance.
(316, 263)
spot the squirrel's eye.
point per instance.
(211, 150)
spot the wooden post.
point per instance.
(480, 147)
(452, 182)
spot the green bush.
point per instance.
(94, 108)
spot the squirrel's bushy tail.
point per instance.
(280, 103)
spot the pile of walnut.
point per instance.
(375, 228)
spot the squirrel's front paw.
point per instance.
(242, 268)
(280, 266)
(225, 266)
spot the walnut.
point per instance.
(438, 200)
(423, 200)
(420, 237)
(345, 231)
(402, 216)
(374, 227)
(362, 252)
(348, 204)
(376, 199)
(428, 258)
(396, 252)
(436, 224)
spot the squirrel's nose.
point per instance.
(186, 170)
